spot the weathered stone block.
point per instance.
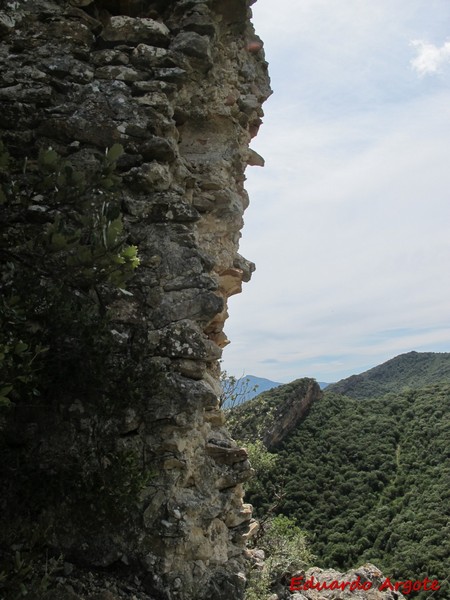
(119, 72)
(182, 340)
(174, 74)
(136, 30)
(156, 100)
(150, 177)
(38, 94)
(193, 44)
(110, 57)
(158, 148)
(72, 32)
(6, 23)
(145, 56)
(202, 24)
(226, 456)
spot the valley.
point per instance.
(366, 477)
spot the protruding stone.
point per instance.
(254, 159)
(252, 531)
(226, 456)
(230, 281)
(234, 519)
(219, 338)
(119, 72)
(246, 266)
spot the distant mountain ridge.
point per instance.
(409, 370)
(257, 385)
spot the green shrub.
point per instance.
(62, 252)
(286, 551)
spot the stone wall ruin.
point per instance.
(179, 84)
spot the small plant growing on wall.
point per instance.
(62, 249)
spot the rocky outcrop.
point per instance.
(179, 84)
(274, 414)
(290, 412)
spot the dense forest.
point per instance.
(367, 479)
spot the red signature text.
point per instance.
(299, 584)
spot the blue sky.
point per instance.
(349, 220)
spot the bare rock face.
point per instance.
(179, 84)
(291, 411)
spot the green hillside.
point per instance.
(410, 370)
(368, 480)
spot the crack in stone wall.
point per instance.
(180, 85)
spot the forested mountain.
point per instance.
(369, 478)
(410, 370)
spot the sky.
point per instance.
(349, 219)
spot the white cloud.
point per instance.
(348, 221)
(430, 59)
(348, 228)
